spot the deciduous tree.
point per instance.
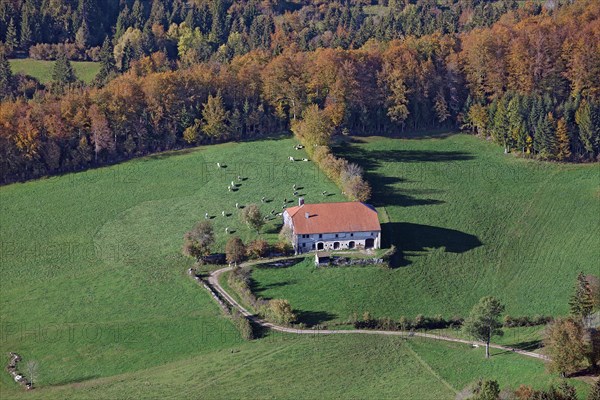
(484, 321)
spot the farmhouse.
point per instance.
(333, 226)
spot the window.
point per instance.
(352, 234)
(313, 246)
(303, 244)
(336, 235)
(320, 235)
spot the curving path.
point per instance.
(213, 281)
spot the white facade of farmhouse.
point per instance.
(333, 226)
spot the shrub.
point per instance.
(235, 250)
(242, 324)
(281, 311)
(257, 248)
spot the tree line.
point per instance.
(238, 26)
(531, 84)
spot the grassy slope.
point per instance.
(470, 222)
(295, 367)
(92, 281)
(42, 70)
(93, 287)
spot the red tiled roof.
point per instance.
(333, 218)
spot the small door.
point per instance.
(336, 245)
(369, 243)
(351, 245)
(320, 246)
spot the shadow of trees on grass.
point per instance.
(409, 237)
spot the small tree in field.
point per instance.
(484, 321)
(565, 341)
(252, 216)
(235, 250)
(198, 241)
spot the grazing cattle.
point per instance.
(218, 165)
(227, 230)
(229, 188)
(205, 215)
(239, 178)
(324, 192)
(285, 200)
(223, 213)
(294, 186)
(292, 158)
(295, 193)
(283, 206)
(305, 159)
(262, 200)
(237, 205)
(232, 184)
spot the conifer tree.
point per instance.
(63, 73)
(6, 77)
(26, 33)
(107, 63)
(563, 146)
(581, 302)
(11, 36)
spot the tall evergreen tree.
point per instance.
(581, 302)
(588, 122)
(544, 139)
(137, 15)
(501, 127)
(6, 77)
(26, 32)
(107, 63)
(63, 73)
(563, 145)
(12, 42)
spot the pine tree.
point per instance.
(26, 33)
(128, 56)
(563, 146)
(501, 125)
(11, 36)
(137, 15)
(107, 63)
(581, 302)
(63, 73)
(82, 37)
(123, 22)
(588, 132)
(6, 77)
(543, 141)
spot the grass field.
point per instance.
(92, 280)
(93, 287)
(469, 222)
(299, 367)
(42, 70)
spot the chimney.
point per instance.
(306, 215)
(301, 201)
